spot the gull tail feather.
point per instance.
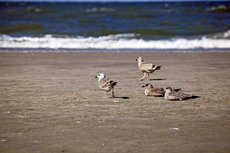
(158, 67)
(112, 84)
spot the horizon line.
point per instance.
(112, 1)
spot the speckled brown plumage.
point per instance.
(175, 95)
(106, 84)
(146, 68)
(153, 91)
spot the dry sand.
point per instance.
(51, 103)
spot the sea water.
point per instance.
(98, 26)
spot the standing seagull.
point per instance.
(175, 95)
(146, 67)
(151, 91)
(106, 84)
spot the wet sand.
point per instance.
(51, 103)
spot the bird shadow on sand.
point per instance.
(156, 79)
(194, 97)
(121, 97)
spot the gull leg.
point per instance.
(113, 93)
(143, 77)
(148, 77)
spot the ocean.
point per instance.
(148, 26)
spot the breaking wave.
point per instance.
(118, 41)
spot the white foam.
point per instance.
(219, 7)
(102, 9)
(120, 41)
(227, 34)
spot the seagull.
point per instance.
(175, 95)
(106, 84)
(146, 68)
(151, 91)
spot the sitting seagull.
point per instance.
(175, 95)
(146, 67)
(150, 91)
(106, 84)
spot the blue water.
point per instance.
(109, 26)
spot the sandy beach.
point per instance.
(51, 103)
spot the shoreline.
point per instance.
(52, 103)
(63, 50)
